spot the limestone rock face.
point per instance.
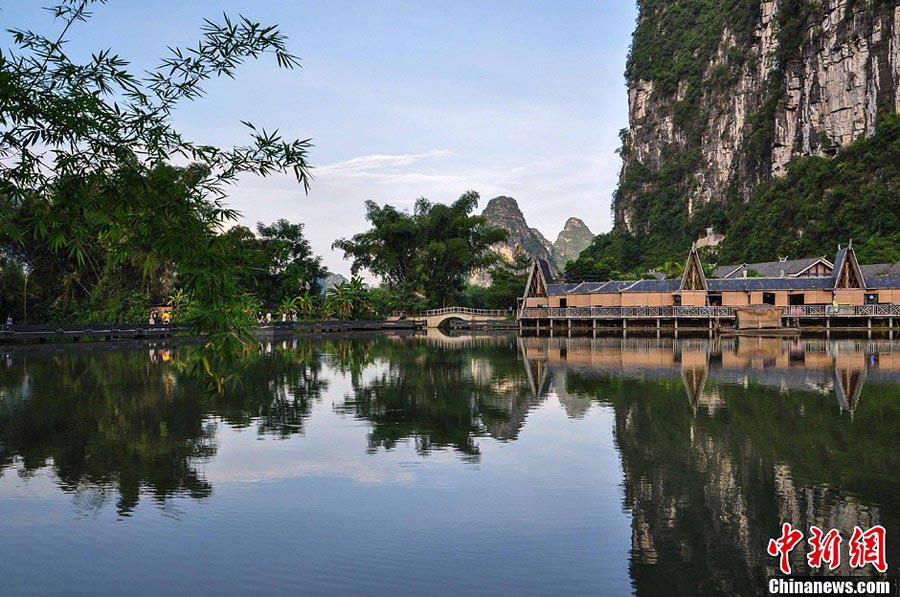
(571, 241)
(841, 71)
(503, 212)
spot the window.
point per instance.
(562, 302)
(871, 299)
(676, 300)
(715, 299)
(768, 298)
(795, 299)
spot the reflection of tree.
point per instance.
(120, 422)
(438, 396)
(276, 392)
(708, 486)
(107, 421)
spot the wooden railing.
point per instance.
(886, 310)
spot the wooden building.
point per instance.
(785, 283)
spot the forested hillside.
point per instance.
(753, 113)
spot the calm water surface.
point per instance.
(437, 465)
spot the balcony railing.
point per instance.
(811, 311)
(622, 312)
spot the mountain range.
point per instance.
(503, 212)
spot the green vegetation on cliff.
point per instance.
(688, 59)
(825, 201)
(818, 204)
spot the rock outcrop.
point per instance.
(503, 212)
(571, 241)
(776, 80)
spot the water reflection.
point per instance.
(719, 441)
(440, 396)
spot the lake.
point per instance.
(442, 464)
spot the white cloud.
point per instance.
(367, 163)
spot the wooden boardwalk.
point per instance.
(120, 331)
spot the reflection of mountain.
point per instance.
(721, 442)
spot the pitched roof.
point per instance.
(846, 256)
(768, 269)
(560, 288)
(881, 270)
(654, 286)
(544, 266)
(693, 273)
(748, 284)
(883, 282)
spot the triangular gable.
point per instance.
(536, 285)
(694, 382)
(847, 273)
(848, 385)
(820, 260)
(693, 278)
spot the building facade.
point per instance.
(785, 283)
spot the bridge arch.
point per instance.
(437, 317)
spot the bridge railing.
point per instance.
(465, 311)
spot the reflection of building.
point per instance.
(841, 367)
(709, 479)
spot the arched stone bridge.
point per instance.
(437, 317)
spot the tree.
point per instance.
(431, 250)
(389, 249)
(290, 266)
(96, 122)
(587, 269)
(508, 279)
(672, 269)
(348, 300)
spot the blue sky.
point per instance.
(404, 99)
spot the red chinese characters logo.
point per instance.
(867, 547)
(783, 545)
(826, 548)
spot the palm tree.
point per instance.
(339, 300)
(359, 294)
(288, 306)
(178, 300)
(305, 304)
(672, 269)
